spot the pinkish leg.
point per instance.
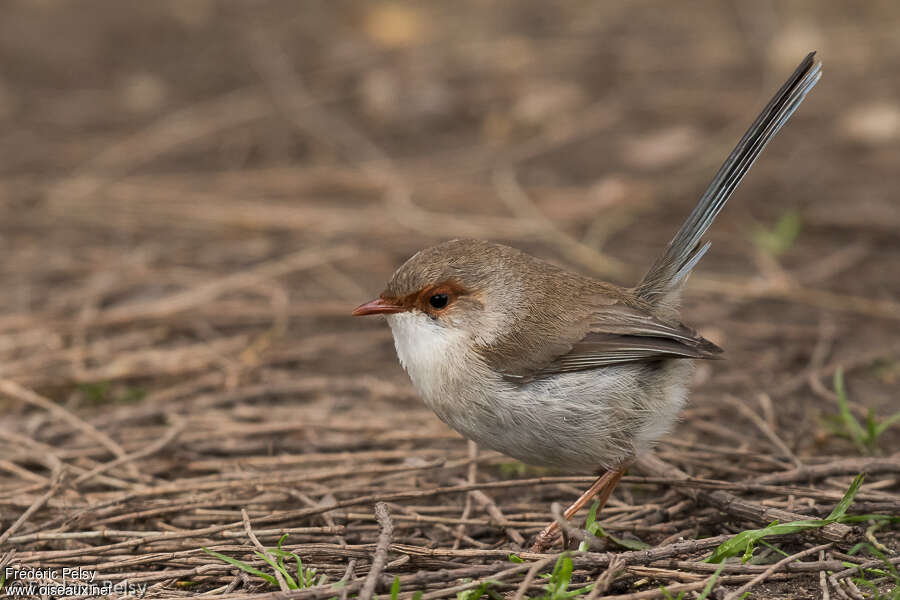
(601, 489)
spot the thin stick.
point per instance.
(210, 290)
(346, 577)
(601, 586)
(487, 503)
(530, 575)
(6, 559)
(473, 584)
(17, 392)
(764, 427)
(765, 574)
(249, 530)
(823, 579)
(471, 478)
(35, 506)
(148, 451)
(847, 466)
(383, 514)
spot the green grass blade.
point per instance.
(847, 500)
(278, 566)
(774, 548)
(886, 424)
(741, 542)
(565, 573)
(592, 527)
(300, 578)
(712, 582)
(779, 238)
(242, 566)
(592, 517)
(668, 595)
(291, 583)
(851, 424)
(475, 593)
(624, 543)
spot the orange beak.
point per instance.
(379, 306)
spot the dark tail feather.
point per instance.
(685, 249)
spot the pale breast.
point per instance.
(431, 354)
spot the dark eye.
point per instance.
(439, 300)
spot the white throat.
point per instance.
(431, 354)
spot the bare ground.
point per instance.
(196, 194)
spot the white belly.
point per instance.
(581, 421)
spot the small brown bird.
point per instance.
(555, 368)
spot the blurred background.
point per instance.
(195, 194)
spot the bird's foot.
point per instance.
(601, 489)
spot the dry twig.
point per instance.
(383, 514)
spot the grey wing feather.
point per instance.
(622, 320)
(600, 350)
(620, 334)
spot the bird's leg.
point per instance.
(601, 489)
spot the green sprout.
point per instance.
(592, 527)
(477, 592)
(864, 436)
(305, 577)
(781, 236)
(559, 580)
(102, 392)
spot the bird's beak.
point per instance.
(379, 306)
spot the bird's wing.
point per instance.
(617, 334)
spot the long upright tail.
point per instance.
(663, 279)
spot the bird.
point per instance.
(552, 367)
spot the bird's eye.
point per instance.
(439, 300)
